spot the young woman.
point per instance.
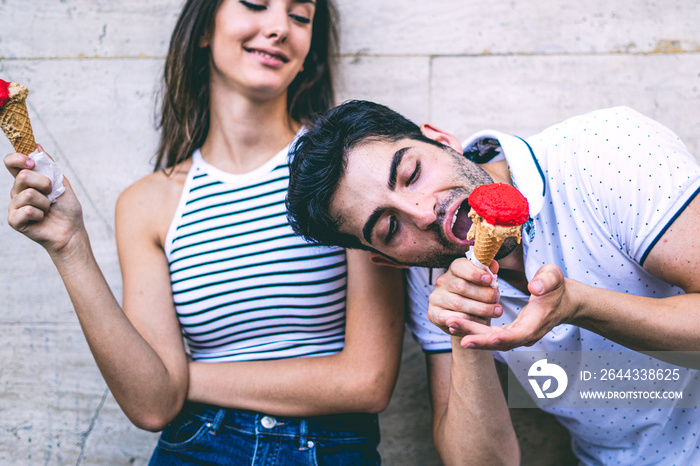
(288, 348)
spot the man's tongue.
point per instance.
(463, 222)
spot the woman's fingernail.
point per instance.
(469, 345)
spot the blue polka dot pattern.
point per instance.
(614, 180)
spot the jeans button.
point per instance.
(268, 422)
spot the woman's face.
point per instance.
(259, 46)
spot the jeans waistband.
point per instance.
(332, 426)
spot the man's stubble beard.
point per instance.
(470, 176)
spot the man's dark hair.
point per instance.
(319, 160)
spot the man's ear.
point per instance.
(441, 136)
(378, 259)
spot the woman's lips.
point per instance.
(268, 56)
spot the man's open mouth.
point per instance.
(461, 223)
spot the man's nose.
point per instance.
(422, 211)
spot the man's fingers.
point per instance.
(532, 322)
(458, 295)
(463, 300)
(443, 318)
(494, 267)
(464, 269)
(484, 339)
(496, 339)
(521, 333)
(547, 279)
(469, 325)
(465, 280)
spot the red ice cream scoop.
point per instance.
(497, 211)
(499, 204)
(4, 92)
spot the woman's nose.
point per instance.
(277, 25)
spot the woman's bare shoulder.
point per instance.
(152, 201)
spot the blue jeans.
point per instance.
(204, 434)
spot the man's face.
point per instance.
(408, 200)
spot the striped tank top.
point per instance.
(245, 286)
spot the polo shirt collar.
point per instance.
(525, 171)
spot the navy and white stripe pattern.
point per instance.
(245, 286)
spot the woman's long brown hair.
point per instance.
(184, 118)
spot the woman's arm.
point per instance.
(148, 376)
(360, 378)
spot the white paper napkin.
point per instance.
(472, 258)
(48, 168)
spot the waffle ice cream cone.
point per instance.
(14, 118)
(488, 238)
(498, 211)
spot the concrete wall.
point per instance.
(93, 68)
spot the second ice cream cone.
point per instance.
(14, 120)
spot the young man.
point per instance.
(609, 260)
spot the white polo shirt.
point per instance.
(602, 188)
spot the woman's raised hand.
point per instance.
(54, 226)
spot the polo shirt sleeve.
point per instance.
(638, 174)
(420, 282)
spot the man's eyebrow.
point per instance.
(395, 162)
(305, 1)
(371, 222)
(379, 211)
